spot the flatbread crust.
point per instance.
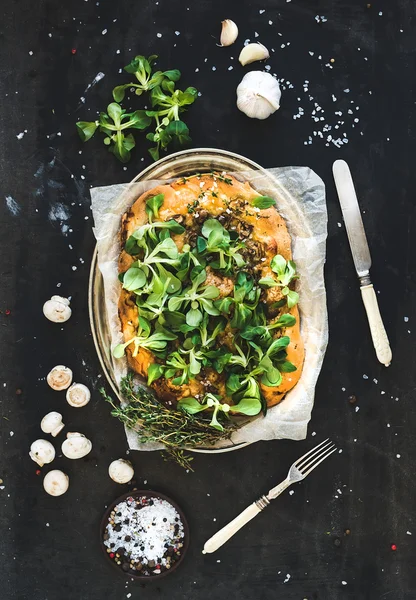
(265, 234)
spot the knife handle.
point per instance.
(224, 534)
(378, 332)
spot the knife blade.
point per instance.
(352, 218)
(361, 256)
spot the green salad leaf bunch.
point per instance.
(167, 104)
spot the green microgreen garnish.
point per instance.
(217, 241)
(286, 273)
(113, 123)
(167, 104)
(263, 202)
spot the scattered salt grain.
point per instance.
(159, 35)
(104, 31)
(406, 319)
(398, 455)
(344, 582)
(357, 408)
(291, 493)
(287, 578)
(409, 532)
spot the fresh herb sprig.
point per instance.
(141, 68)
(247, 406)
(286, 273)
(167, 104)
(114, 123)
(154, 422)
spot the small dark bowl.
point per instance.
(147, 494)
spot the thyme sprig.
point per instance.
(154, 422)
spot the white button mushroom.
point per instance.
(76, 445)
(42, 452)
(57, 309)
(56, 483)
(78, 395)
(52, 423)
(121, 471)
(60, 378)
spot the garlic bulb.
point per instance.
(258, 95)
(78, 395)
(229, 32)
(253, 52)
(60, 378)
(57, 309)
(56, 483)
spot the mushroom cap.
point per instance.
(57, 309)
(56, 483)
(59, 378)
(78, 395)
(52, 423)
(76, 445)
(42, 452)
(121, 471)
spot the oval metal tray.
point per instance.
(181, 164)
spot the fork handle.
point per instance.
(224, 534)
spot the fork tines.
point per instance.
(306, 463)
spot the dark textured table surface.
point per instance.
(49, 546)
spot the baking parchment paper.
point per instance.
(300, 199)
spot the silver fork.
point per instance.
(298, 471)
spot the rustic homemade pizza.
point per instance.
(208, 306)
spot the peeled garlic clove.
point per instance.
(76, 445)
(78, 395)
(121, 471)
(229, 32)
(52, 423)
(258, 95)
(42, 452)
(253, 52)
(57, 309)
(60, 378)
(56, 483)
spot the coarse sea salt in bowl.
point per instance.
(144, 534)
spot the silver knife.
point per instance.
(361, 256)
